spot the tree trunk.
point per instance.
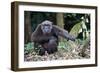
(60, 22)
(27, 29)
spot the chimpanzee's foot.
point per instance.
(42, 51)
(51, 50)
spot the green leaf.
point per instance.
(75, 30)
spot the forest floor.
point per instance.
(74, 52)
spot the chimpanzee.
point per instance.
(46, 34)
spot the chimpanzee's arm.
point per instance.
(61, 32)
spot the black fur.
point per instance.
(49, 42)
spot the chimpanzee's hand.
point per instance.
(72, 38)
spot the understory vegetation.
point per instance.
(66, 50)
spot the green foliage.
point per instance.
(29, 46)
(86, 42)
(80, 28)
(65, 45)
(62, 45)
(75, 30)
(79, 41)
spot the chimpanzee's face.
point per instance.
(46, 28)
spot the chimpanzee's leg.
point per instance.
(52, 46)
